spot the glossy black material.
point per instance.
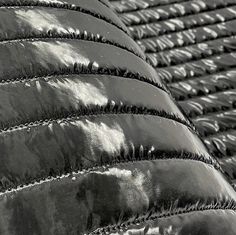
(91, 140)
(192, 46)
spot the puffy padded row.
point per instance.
(90, 137)
(115, 195)
(54, 147)
(36, 22)
(183, 222)
(194, 52)
(166, 12)
(192, 46)
(93, 8)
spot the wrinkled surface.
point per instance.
(91, 141)
(189, 223)
(192, 46)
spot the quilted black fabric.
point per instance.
(192, 46)
(91, 140)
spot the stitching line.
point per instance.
(218, 21)
(228, 205)
(187, 44)
(148, 155)
(65, 115)
(154, 20)
(202, 77)
(149, 7)
(207, 111)
(84, 36)
(199, 57)
(91, 69)
(206, 72)
(66, 7)
(221, 131)
(212, 91)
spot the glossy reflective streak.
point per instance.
(191, 223)
(36, 22)
(67, 144)
(219, 101)
(216, 122)
(80, 149)
(222, 144)
(189, 53)
(189, 36)
(79, 93)
(197, 68)
(229, 165)
(192, 46)
(204, 85)
(62, 52)
(171, 11)
(131, 5)
(85, 201)
(90, 7)
(181, 23)
(49, 57)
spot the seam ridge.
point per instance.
(91, 69)
(232, 69)
(185, 45)
(63, 6)
(189, 76)
(196, 58)
(206, 73)
(168, 32)
(153, 20)
(153, 6)
(227, 205)
(215, 92)
(84, 36)
(148, 154)
(110, 109)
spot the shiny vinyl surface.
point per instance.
(91, 140)
(192, 46)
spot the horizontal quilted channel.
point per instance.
(192, 46)
(92, 139)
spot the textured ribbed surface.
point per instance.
(192, 46)
(91, 141)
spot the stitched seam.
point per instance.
(214, 113)
(208, 111)
(196, 58)
(206, 73)
(169, 32)
(149, 7)
(204, 96)
(153, 20)
(212, 91)
(223, 132)
(91, 69)
(179, 211)
(84, 36)
(65, 115)
(191, 96)
(220, 131)
(150, 155)
(66, 7)
(202, 77)
(189, 44)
